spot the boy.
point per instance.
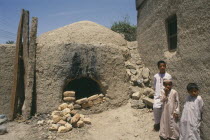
(192, 114)
(158, 86)
(169, 127)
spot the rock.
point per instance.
(56, 118)
(137, 104)
(133, 71)
(80, 124)
(73, 112)
(101, 95)
(148, 101)
(69, 99)
(69, 94)
(3, 119)
(75, 119)
(87, 120)
(149, 92)
(145, 73)
(136, 95)
(54, 127)
(58, 113)
(66, 111)
(64, 118)
(77, 106)
(129, 65)
(40, 122)
(63, 129)
(68, 119)
(49, 121)
(88, 104)
(97, 101)
(93, 97)
(81, 101)
(3, 130)
(63, 106)
(68, 126)
(62, 122)
(128, 72)
(71, 106)
(146, 80)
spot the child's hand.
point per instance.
(166, 91)
(176, 116)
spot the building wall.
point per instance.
(7, 56)
(191, 61)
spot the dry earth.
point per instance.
(123, 123)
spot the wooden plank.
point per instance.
(29, 92)
(16, 78)
(24, 96)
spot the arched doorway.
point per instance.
(83, 87)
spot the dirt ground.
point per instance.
(123, 123)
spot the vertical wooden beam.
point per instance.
(30, 94)
(22, 96)
(15, 87)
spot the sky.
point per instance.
(53, 14)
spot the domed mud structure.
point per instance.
(84, 57)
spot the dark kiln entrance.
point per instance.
(83, 87)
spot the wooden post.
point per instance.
(30, 94)
(16, 79)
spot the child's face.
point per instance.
(193, 92)
(167, 85)
(162, 67)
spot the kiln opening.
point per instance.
(83, 87)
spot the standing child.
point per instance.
(169, 127)
(158, 86)
(191, 115)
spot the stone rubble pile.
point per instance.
(65, 118)
(141, 92)
(87, 102)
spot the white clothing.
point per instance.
(157, 115)
(191, 118)
(158, 86)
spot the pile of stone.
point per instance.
(141, 92)
(87, 102)
(65, 118)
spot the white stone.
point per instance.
(61, 122)
(40, 122)
(69, 94)
(71, 106)
(69, 99)
(54, 127)
(81, 101)
(93, 97)
(136, 95)
(66, 111)
(56, 118)
(75, 119)
(56, 113)
(63, 106)
(68, 126)
(63, 129)
(87, 120)
(145, 73)
(80, 124)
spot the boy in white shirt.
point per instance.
(158, 86)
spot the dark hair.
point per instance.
(191, 86)
(161, 61)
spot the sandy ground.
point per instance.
(123, 123)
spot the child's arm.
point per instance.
(201, 104)
(176, 111)
(163, 96)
